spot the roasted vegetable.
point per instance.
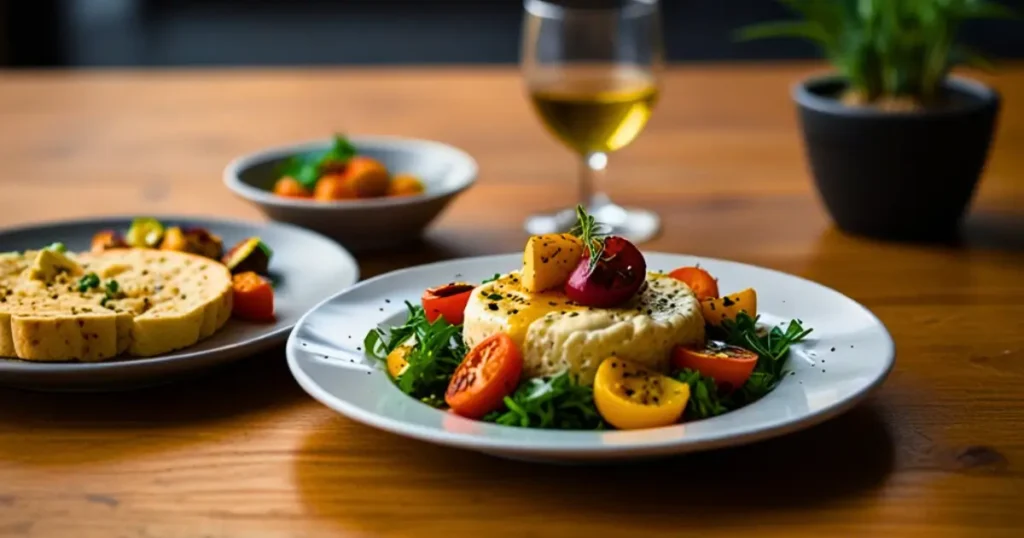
(611, 271)
(728, 307)
(548, 260)
(251, 254)
(367, 177)
(145, 232)
(703, 285)
(253, 298)
(333, 187)
(106, 240)
(405, 185)
(488, 373)
(448, 301)
(194, 240)
(290, 187)
(632, 397)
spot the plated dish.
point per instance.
(572, 399)
(110, 303)
(350, 207)
(583, 336)
(151, 290)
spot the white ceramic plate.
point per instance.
(326, 357)
(306, 266)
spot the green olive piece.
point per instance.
(145, 232)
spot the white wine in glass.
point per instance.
(591, 72)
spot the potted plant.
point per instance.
(896, 145)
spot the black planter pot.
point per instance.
(897, 175)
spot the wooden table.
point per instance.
(936, 452)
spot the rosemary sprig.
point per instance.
(591, 233)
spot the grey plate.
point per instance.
(306, 266)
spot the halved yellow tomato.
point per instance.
(631, 397)
(398, 359)
(716, 310)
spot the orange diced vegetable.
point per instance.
(405, 185)
(368, 177)
(290, 187)
(334, 187)
(253, 298)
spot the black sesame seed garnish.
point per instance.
(493, 306)
(387, 301)
(833, 349)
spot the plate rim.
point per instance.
(489, 444)
(257, 343)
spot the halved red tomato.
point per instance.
(489, 372)
(448, 301)
(730, 366)
(704, 285)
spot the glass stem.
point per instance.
(592, 167)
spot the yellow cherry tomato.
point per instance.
(630, 397)
(398, 360)
(727, 307)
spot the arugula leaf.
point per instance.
(704, 401)
(437, 352)
(307, 168)
(552, 402)
(492, 279)
(772, 348)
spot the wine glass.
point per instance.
(591, 69)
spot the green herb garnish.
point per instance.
(772, 348)
(88, 281)
(591, 233)
(495, 297)
(553, 402)
(111, 291)
(704, 401)
(492, 279)
(437, 352)
(57, 247)
(307, 168)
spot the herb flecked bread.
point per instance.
(92, 307)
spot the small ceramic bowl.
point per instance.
(362, 224)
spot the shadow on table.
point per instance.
(850, 455)
(70, 428)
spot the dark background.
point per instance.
(86, 33)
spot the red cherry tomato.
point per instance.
(704, 285)
(448, 301)
(489, 372)
(730, 366)
(616, 277)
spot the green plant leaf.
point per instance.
(986, 10)
(887, 48)
(798, 29)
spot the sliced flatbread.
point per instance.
(52, 308)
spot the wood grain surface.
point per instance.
(938, 451)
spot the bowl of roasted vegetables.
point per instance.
(365, 192)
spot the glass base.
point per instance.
(636, 225)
